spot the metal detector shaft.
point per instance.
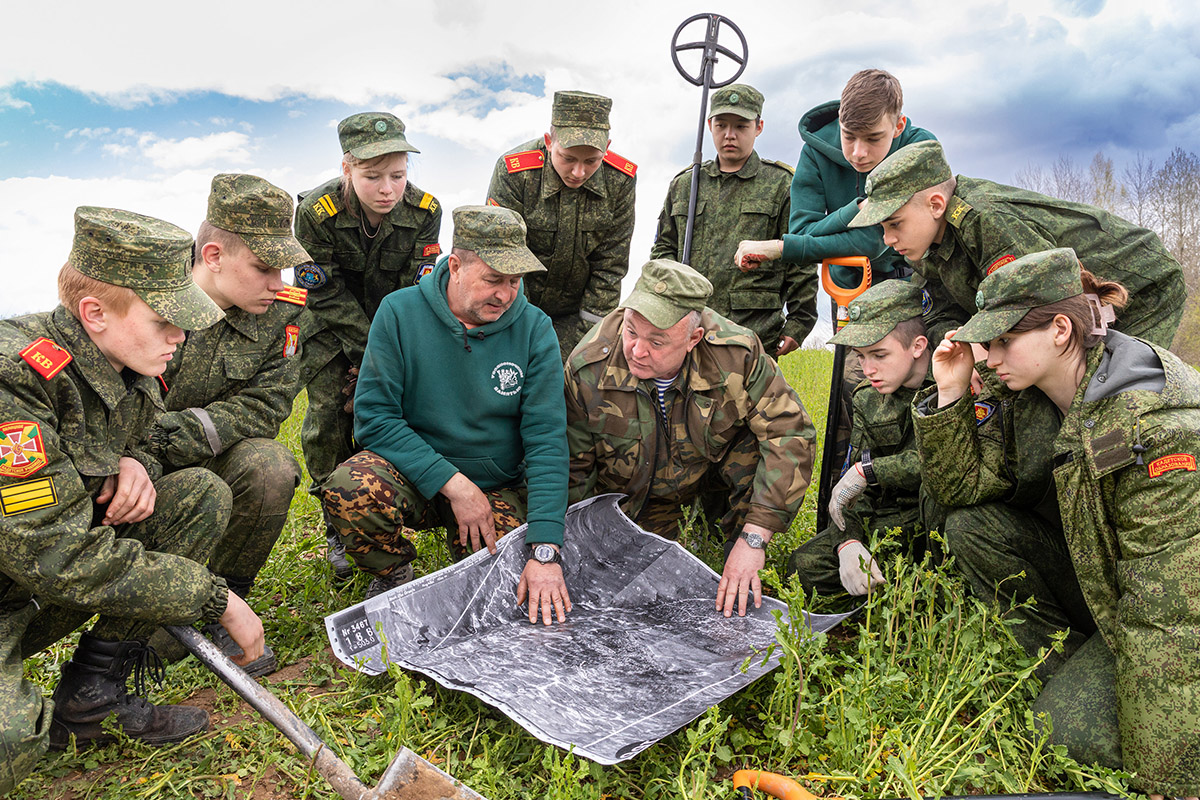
(406, 770)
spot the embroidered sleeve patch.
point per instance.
(519, 162)
(431, 250)
(21, 450)
(983, 411)
(620, 162)
(17, 498)
(1172, 462)
(422, 272)
(46, 357)
(325, 207)
(492, 202)
(310, 276)
(293, 294)
(1000, 262)
(429, 202)
(291, 340)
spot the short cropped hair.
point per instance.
(869, 96)
(906, 332)
(229, 241)
(73, 286)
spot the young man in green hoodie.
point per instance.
(459, 410)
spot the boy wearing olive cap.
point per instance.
(577, 199)
(668, 402)
(956, 230)
(740, 196)
(459, 412)
(880, 484)
(231, 385)
(90, 527)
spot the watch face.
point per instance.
(544, 553)
(754, 540)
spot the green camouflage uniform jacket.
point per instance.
(580, 235)
(59, 439)
(356, 271)
(990, 224)
(752, 203)
(1129, 489)
(997, 447)
(232, 381)
(883, 427)
(727, 385)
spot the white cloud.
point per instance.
(227, 148)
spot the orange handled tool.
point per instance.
(843, 296)
(746, 780)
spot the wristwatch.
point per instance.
(545, 553)
(868, 468)
(754, 540)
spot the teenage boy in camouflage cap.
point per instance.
(459, 412)
(957, 230)
(577, 200)
(231, 385)
(90, 527)
(669, 402)
(881, 480)
(741, 196)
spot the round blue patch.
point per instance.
(310, 276)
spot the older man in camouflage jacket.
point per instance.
(670, 402)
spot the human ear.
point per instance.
(92, 315)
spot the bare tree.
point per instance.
(1137, 185)
(1175, 198)
(1033, 178)
(1070, 183)
(1105, 192)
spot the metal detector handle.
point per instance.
(711, 47)
(406, 769)
(841, 297)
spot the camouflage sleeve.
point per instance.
(800, 284)
(426, 249)
(139, 447)
(261, 404)
(786, 440)
(582, 450)
(667, 242)
(53, 551)
(1157, 610)
(956, 468)
(332, 305)
(875, 420)
(944, 313)
(505, 190)
(609, 262)
(997, 235)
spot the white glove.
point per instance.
(845, 491)
(750, 253)
(857, 568)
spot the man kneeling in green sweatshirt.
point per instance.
(459, 411)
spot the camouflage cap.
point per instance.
(876, 312)
(261, 214)
(373, 133)
(581, 118)
(147, 255)
(497, 235)
(666, 291)
(898, 177)
(736, 98)
(1008, 293)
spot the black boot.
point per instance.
(335, 554)
(93, 686)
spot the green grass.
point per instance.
(923, 694)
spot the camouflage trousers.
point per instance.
(327, 434)
(816, 563)
(263, 476)
(1009, 556)
(1081, 702)
(376, 512)
(191, 512)
(723, 494)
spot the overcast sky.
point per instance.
(138, 104)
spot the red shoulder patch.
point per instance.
(47, 358)
(431, 250)
(620, 162)
(1175, 461)
(520, 162)
(1000, 262)
(293, 294)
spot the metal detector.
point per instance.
(704, 79)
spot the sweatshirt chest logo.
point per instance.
(507, 378)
